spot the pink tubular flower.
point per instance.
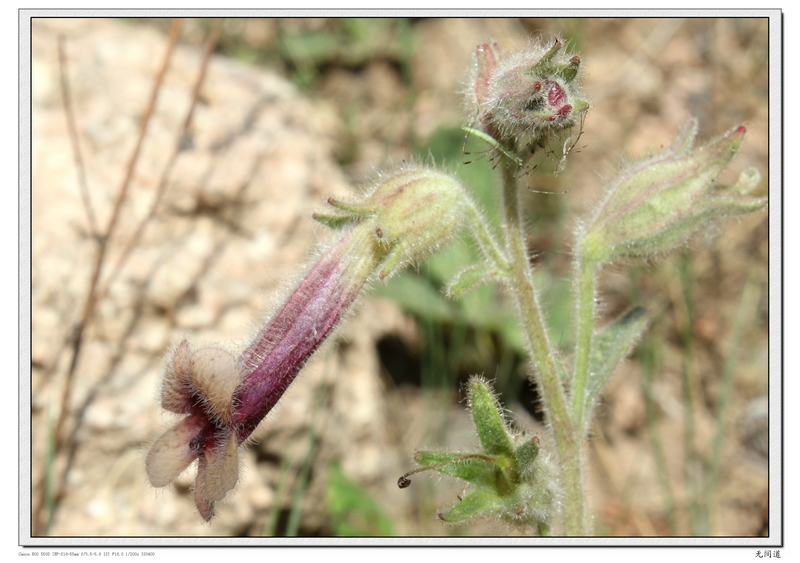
(224, 398)
(281, 349)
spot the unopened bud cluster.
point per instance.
(523, 97)
(223, 398)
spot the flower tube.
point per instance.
(224, 398)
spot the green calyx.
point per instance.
(550, 66)
(507, 477)
(410, 214)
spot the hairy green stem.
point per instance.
(586, 284)
(485, 238)
(568, 440)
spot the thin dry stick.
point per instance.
(180, 143)
(91, 298)
(66, 96)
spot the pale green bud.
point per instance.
(412, 213)
(655, 206)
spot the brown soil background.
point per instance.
(234, 227)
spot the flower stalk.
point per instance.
(544, 358)
(585, 284)
(650, 209)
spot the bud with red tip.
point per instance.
(656, 205)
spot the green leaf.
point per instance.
(471, 277)
(476, 502)
(353, 511)
(510, 155)
(489, 422)
(475, 470)
(526, 453)
(610, 345)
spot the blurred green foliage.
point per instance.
(348, 42)
(352, 510)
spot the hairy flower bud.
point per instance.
(224, 398)
(656, 205)
(412, 212)
(525, 97)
